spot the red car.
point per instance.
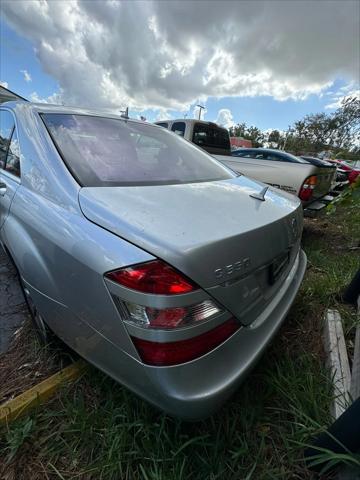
(353, 172)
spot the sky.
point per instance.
(265, 63)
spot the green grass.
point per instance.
(98, 430)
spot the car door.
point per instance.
(9, 162)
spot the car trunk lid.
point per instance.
(213, 232)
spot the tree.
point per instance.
(249, 133)
(256, 136)
(238, 130)
(338, 130)
(346, 124)
(275, 139)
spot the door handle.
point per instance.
(3, 188)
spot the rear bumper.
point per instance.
(196, 389)
(193, 390)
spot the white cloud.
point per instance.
(347, 91)
(27, 76)
(55, 98)
(163, 114)
(168, 55)
(4, 84)
(225, 118)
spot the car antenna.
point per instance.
(260, 195)
(125, 113)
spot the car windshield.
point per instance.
(102, 151)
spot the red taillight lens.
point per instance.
(307, 189)
(174, 353)
(353, 175)
(153, 277)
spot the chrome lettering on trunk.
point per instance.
(241, 266)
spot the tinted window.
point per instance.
(109, 152)
(210, 136)
(13, 156)
(259, 155)
(287, 157)
(268, 155)
(178, 128)
(243, 153)
(275, 157)
(6, 128)
(163, 124)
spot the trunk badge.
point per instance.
(260, 195)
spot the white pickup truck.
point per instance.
(274, 167)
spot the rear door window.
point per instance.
(275, 157)
(252, 154)
(101, 151)
(211, 136)
(163, 124)
(241, 153)
(178, 128)
(7, 125)
(13, 156)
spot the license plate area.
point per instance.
(277, 267)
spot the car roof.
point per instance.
(52, 108)
(188, 120)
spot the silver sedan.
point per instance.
(143, 253)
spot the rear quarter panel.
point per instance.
(62, 258)
(60, 254)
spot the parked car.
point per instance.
(352, 171)
(143, 253)
(206, 135)
(318, 161)
(340, 180)
(310, 183)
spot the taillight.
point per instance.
(173, 353)
(158, 278)
(165, 318)
(153, 277)
(307, 189)
(353, 175)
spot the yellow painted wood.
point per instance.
(23, 403)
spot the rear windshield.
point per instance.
(211, 136)
(103, 151)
